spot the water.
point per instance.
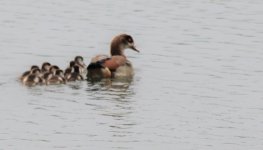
(198, 79)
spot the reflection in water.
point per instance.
(117, 93)
(118, 84)
(75, 85)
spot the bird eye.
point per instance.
(129, 40)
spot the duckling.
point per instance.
(25, 74)
(72, 64)
(79, 61)
(67, 73)
(70, 67)
(33, 78)
(50, 78)
(75, 76)
(45, 67)
(53, 69)
(60, 74)
(117, 65)
(34, 67)
(36, 71)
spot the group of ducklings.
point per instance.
(52, 74)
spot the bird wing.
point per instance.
(114, 62)
(99, 58)
(110, 62)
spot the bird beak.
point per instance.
(133, 48)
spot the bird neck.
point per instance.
(116, 48)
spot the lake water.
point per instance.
(198, 81)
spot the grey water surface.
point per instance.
(198, 81)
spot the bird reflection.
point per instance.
(115, 99)
(116, 85)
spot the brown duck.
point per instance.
(117, 65)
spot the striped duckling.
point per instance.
(79, 61)
(52, 79)
(25, 74)
(33, 78)
(45, 67)
(75, 75)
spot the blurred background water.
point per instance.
(198, 81)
